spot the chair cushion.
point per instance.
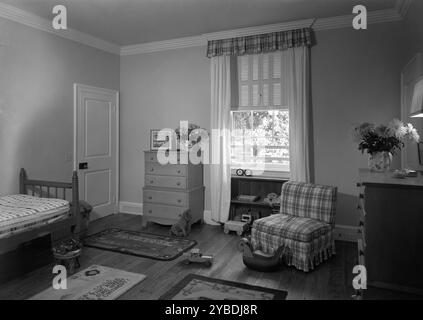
(291, 227)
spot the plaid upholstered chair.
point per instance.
(304, 225)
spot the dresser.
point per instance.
(390, 244)
(171, 189)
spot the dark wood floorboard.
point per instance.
(331, 280)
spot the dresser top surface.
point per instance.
(387, 178)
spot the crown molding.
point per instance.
(402, 7)
(31, 20)
(377, 16)
(149, 47)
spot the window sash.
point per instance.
(244, 160)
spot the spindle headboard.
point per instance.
(51, 189)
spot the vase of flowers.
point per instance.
(382, 142)
(380, 161)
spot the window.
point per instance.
(260, 137)
(260, 123)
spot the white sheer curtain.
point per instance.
(295, 64)
(220, 175)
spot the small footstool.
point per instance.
(66, 253)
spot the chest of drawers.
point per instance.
(390, 242)
(171, 189)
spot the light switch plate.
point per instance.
(68, 156)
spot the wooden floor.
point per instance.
(331, 280)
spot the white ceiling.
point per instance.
(127, 22)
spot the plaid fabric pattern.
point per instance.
(260, 43)
(304, 256)
(309, 201)
(304, 225)
(291, 227)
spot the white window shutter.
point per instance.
(266, 66)
(266, 101)
(277, 65)
(244, 96)
(243, 68)
(277, 94)
(260, 81)
(255, 67)
(255, 98)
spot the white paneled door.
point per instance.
(96, 147)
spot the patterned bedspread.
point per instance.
(21, 212)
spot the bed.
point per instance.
(41, 208)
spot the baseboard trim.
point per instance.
(346, 233)
(130, 208)
(341, 232)
(136, 208)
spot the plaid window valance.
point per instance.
(260, 43)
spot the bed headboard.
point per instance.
(51, 189)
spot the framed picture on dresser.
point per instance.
(156, 142)
(420, 152)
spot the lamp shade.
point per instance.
(417, 102)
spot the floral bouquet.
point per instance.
(383, 141)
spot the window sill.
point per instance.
(266, 175)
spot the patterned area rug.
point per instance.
(94, 283)
(195, 287)
(139, 244)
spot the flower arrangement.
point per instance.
(384, 138)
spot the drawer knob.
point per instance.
(149, 198)
(151, 181)
(179, 171)
(179, 201)
(152, 158)
(152, 169)
(150, 211)
(178, 184)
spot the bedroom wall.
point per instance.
(37, 73)
(158, 90)
(355, 77)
